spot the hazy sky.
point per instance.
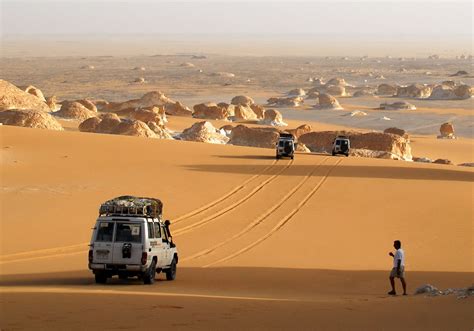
(326, 18)
(267, 27)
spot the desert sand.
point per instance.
(263, 244)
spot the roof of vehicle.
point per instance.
(132, 206)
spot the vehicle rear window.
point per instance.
(128, 232)
(105, 231)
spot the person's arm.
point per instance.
(391, 254)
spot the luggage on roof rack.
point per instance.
(130, 205)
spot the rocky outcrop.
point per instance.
(442, 161)
(160, 130)
(73, 110)
(297, 92)
(204, 132)
(399, 105)
(223, 74)
(442, 92)
(52, 103)
(210, 111)
(450, 92)
(463, 91)
(103, 123)
(446, 131)
(244, 113)
(299, 147)
(178, 109)
(327, 101)
(153, 114)
(387, 89)
(134, 128)
(363, 93)
(242, 100)
(150, 99)
(382, 143)
(397, 131)
(299, 131)
(460, 73)
(285, 102)
(11, 97)
(254, 137)
(33, 91)
(356, 113)
(259, 110)
(29, 118)
(273, 117)
(312, 95)
(337, 81)
(414, 91)
(337, 90)
(139, 80)
(88, 104)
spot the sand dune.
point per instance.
(263, 243)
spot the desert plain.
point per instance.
(263, 243)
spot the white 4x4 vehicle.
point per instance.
(130, 239)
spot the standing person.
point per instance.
(398, 269)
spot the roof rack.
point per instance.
(132, 206)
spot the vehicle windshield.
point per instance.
(128, 232)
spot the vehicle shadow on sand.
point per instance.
(346, 171)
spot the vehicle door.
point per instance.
(128, 244)
(154, 241)
(103, 242)
(166, 246)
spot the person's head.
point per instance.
(397, 244)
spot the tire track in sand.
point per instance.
(223, 198)
(230, 207)
(281, 223)
(83, 247)
(257, 221)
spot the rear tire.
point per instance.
(292, 157)
(100, 278)
(333, 154)
(149, 276)
(171, 272)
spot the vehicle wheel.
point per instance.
(149, 276)
(292, 157)
(100, 278)
(171, 272)
(333, 154)
(347, 154)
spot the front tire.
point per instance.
(171, 272)
(100, 278)
(149, 276)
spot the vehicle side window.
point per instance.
(157, 230)
(151, 231)
(164, 234)
(105, 231)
